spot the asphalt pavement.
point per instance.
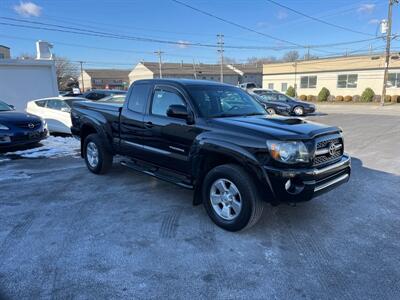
(68, 234)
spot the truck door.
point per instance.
(131, 120)
(167, 140)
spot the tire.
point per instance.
(271, 111)
(298, 111)
(251, 204)
(104, 160)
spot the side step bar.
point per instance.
(160, 173)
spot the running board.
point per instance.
(159, 173)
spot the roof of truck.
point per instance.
(184, 82)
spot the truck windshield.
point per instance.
(224, 101)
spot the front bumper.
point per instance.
(21, 138)
(297, 185)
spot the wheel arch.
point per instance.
(215, 153)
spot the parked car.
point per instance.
(216, 139)
(273, 107)
(20, 129)
(95, 95)
(114, 99)
(55, 110)
(297, 107)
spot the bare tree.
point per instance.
(229, 60)
(67, 73)
(291, 56)
(261, 60)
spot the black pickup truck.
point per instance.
(215, 139)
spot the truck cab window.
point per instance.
(138, 97)
(162, 99)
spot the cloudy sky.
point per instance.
(167, 20)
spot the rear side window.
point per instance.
(138, 97)
(41, 103)
(57, 104)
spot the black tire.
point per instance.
(271, 111)
(252, 205)
(298, 111)
(105, 157)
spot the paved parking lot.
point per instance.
(66, 233)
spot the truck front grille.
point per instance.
(328, 149)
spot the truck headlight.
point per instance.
(3, 127)
(289, 152)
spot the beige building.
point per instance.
(4, 52)
(148, 70)
(104, 79)
(341, 75)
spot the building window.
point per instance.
(1, 55)
(98, 81)
(393, 80)
(283, 87)
(308, 82)
(270, 86)
(347, 81)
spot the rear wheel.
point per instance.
(230, 198)
(298, 111)
(97, 157)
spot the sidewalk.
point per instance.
(373, 109)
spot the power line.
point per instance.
(236, 24)
(79, 31)
(317, 19)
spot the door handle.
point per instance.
(148, 124)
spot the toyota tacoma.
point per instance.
(216, 139)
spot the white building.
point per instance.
(24, 80)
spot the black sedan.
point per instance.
(297, 107)
(273, 107)
(20, 129)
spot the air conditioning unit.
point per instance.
(43, 50)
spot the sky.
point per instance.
(168, 20)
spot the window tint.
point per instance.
(138, 97)
(162, 99)
(41, 103)
(56, 104)
(224, 101)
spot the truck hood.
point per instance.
(277, 127)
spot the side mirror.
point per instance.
(12, 106)
(178, 111)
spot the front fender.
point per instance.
(239, 155)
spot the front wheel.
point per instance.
(298, 111)
(230, 198)
(97, 157)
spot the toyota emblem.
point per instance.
(31, 126)
(332, 149)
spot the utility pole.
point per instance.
(220, 43)
(83, 84)
(159, 53)
(387, 55)
(194, 70)
(295, 78)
